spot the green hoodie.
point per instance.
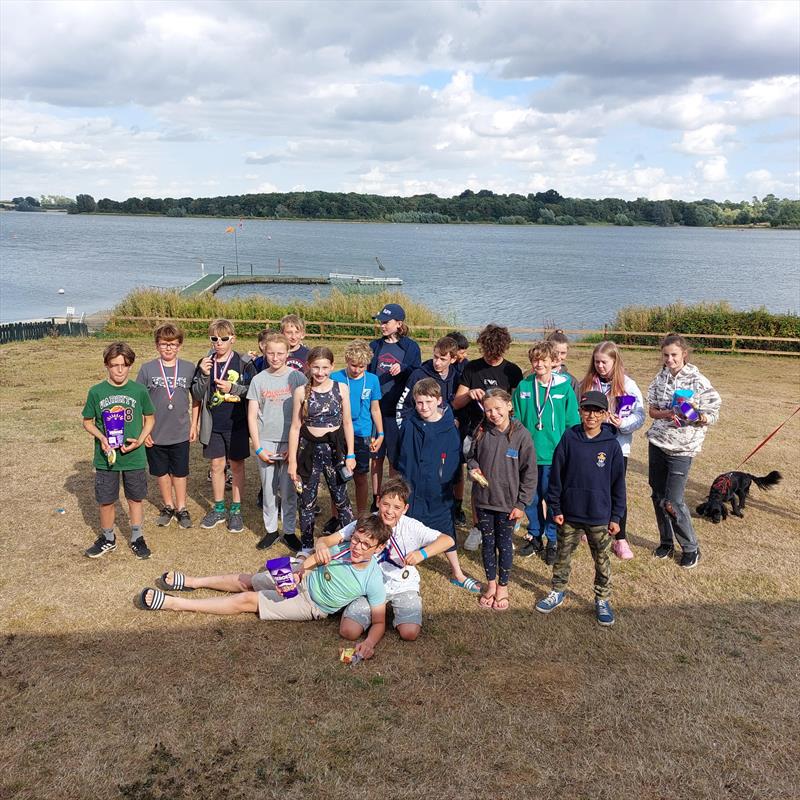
(559, 413)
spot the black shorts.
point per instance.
(233, 445)
(169, 459)
(390, 441)
(363, 453)
(106, 485)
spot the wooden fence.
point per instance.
(327, 329)
(40, 329)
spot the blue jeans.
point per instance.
(537, 523)
(668, 475)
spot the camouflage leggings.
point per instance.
(569, 537)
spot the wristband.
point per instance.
(349, 455)
(424, 554)
(379, 434)
(259, 451)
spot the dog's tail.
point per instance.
(768, 481)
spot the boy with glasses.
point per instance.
(586, 496)
(168, 380)
(220, 385)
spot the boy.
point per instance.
(561, 342)
(168, 380)
(587, 498)
(269, 415)
(352, 572)
(428, 458)
(119, 414)
(365, 394)
(411, 543)
(546, 405)
(223, 419)
(462, 345)
(440, 368)
(479, 375)
(294, 329)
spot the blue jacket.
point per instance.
(392, 385)
(587, 478)
(428, 459)
(405, 405)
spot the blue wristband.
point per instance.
(379, 434)
(259, 451)
(350, 455)
(424, 554)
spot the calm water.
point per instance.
(521, 276)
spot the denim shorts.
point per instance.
(406, 610)
(363, 453)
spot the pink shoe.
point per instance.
(583, 538)
(622, 550)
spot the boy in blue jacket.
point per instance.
(587, 497)
(441, 368)
(428, 458)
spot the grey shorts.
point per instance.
(406, 610)
(106, 485)
(274, 606)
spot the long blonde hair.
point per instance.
(591, 379)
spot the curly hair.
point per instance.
(494, 341)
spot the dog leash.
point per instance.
(769, 437)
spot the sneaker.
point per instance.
(184, 520)
(551, 602)
(317, 511)
(373, 506)
(622, 549)
(267, 540)
(532, 546)
(212, 519)
(292, 542)
(331, 526)
(461, 518)
(139, 548)
(166, 513)
(235, 523)
(664, 551)
(603, 612)
(473, 540)
(101, 547)
(689, 560)
(550, 554)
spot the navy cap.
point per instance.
(390, 311)
(594, 400)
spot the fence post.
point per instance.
(251, 270)
(733, 343)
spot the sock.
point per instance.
(108, 533)
(236, 508)
(136, 532)
(219, 506)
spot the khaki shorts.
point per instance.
(274, 606)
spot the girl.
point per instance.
(606, 374)
(674, 441)
(504, 456)
(321, 442)
(394, 357)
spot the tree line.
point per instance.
(546, 208)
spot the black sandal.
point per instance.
(178, 582)
(157, 601)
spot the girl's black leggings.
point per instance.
(322, 467)
(496, 530)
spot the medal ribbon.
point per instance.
(540, 411)
(170, 394)
(221, 375)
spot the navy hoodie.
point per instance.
(428, 459)
(587, 478)
(392, 385)
(405, 405)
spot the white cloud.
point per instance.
(706, 140)
(714, 170)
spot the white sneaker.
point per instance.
(473, 540)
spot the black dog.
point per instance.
(733, 487)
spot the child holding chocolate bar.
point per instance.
(606, 374)
(503, 465)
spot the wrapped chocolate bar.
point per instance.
(479, 478)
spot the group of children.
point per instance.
(547, 447)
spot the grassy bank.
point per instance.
(688, 697)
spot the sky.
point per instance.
(631, 99)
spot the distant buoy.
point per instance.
(61, 291)
(269, 237)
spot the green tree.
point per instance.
(85, 204)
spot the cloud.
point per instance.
(706, 140)
(714, 170)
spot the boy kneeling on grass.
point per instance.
(586, 495)
(410, 544)
(351, 573)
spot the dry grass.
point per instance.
(693, 694)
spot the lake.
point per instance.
(517, 275)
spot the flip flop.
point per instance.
(486, 601)
(178, 583)
(470, 584)
(156, 603)
(496, 606)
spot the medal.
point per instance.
(169, 406)
(539, 426)
(405, 574)
(327, 575)
(540, 411)
(170, 394)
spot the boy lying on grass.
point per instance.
(352, 572)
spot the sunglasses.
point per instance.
(220, 338)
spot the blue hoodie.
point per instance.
(428, 459)
(405, 405)
(587, 478)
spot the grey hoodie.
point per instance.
(508, 461)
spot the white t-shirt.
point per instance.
(408, 535)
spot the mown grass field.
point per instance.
(692, 694)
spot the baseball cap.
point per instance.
(594, 400)
(390, 311)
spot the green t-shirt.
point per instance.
(346, 582)
(118, 412)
